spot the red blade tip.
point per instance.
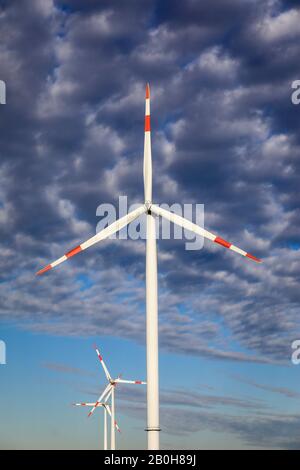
(147, 91)
(44, 270)
(253, 258)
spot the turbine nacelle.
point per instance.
(148, 205)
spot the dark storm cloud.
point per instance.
(225, 133)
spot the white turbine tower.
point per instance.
(151, 273)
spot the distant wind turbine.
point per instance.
(151, 210)
(109, 392)
(106, 409)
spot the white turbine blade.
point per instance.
(147, 150)
(108, 396)
(105, 233)
(109, 412)
(136, 382)
(88, 404)
(106, 390)
(177, 219)
(103, 364)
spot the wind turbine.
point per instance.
(151, 210)
(109, 391)
(106, 409)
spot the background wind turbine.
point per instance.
(106, 409)
(151, 273)
(109, 392)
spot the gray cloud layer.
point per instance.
(224, 134)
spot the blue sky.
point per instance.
(44, 375)
(224, 134)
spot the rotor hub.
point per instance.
(148, 205)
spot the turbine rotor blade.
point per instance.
(105, 233)
(136, 382)
(187, 224)
(88, 404)
(107, 407)
(147, 150)
(108, 396)
(106, 390)
(103, 364)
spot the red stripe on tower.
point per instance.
(222, 242)
(73, 252)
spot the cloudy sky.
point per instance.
(224, 134)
